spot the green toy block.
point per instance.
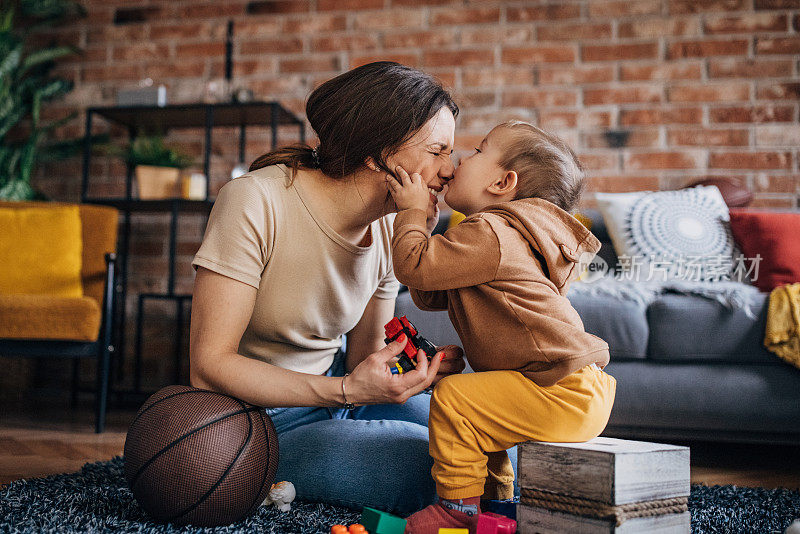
(377, 522)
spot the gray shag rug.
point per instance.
(96, 499)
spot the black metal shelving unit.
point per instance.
(162, 119)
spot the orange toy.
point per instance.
(355, 528)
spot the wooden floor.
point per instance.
(41, 438)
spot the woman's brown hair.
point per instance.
(546, 166)
(369, 111)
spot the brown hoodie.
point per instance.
(503, 274)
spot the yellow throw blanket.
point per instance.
(783, 323)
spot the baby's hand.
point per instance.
(410, 191)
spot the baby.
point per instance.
(502, 274)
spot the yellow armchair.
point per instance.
(57, 286)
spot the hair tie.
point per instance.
(315, 157)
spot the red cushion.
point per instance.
(775, 237)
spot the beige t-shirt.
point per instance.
(313, 285)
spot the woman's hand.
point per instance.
(452, 362)
(372, 382)
(408, 191)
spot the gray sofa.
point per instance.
(686, 367)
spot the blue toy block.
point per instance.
(377, 522)
(506, 507)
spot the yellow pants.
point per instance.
(475, 417)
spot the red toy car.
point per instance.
(407, 361)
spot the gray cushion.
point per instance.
(598, 224)
(621, 323)
(600, 231)
(691, 328)
(681, 395)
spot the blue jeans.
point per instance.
(373, 456)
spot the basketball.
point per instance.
(195, 457)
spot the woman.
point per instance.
(296, 255)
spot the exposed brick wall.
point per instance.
(688, 88)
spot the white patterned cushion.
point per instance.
(670, 234)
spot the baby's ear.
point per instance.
(504, 185)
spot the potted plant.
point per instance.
(157, 167)
(26, 84)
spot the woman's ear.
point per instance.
(371, 165)
(504, 185)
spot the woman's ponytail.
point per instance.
(293, 156)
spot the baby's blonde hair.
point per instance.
(546, 166)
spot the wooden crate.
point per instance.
(539, 521)
(603, 471)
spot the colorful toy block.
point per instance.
(507, 507)
(377, 522)
(453, 531)
(491, 523)
(355, 528)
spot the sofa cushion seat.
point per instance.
(702, 399)
(46, 317)
(621, 323)
(692, 328)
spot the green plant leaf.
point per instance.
(26, 85)
(12, 120)
(17, 190)
(151, 150)
(28, 156)
(68, 148)
(6, 106)
(7, 19)
(51, 9)
(36, 106)
(12, 162)
(11, 62)
(55, 88)
(48, 54)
